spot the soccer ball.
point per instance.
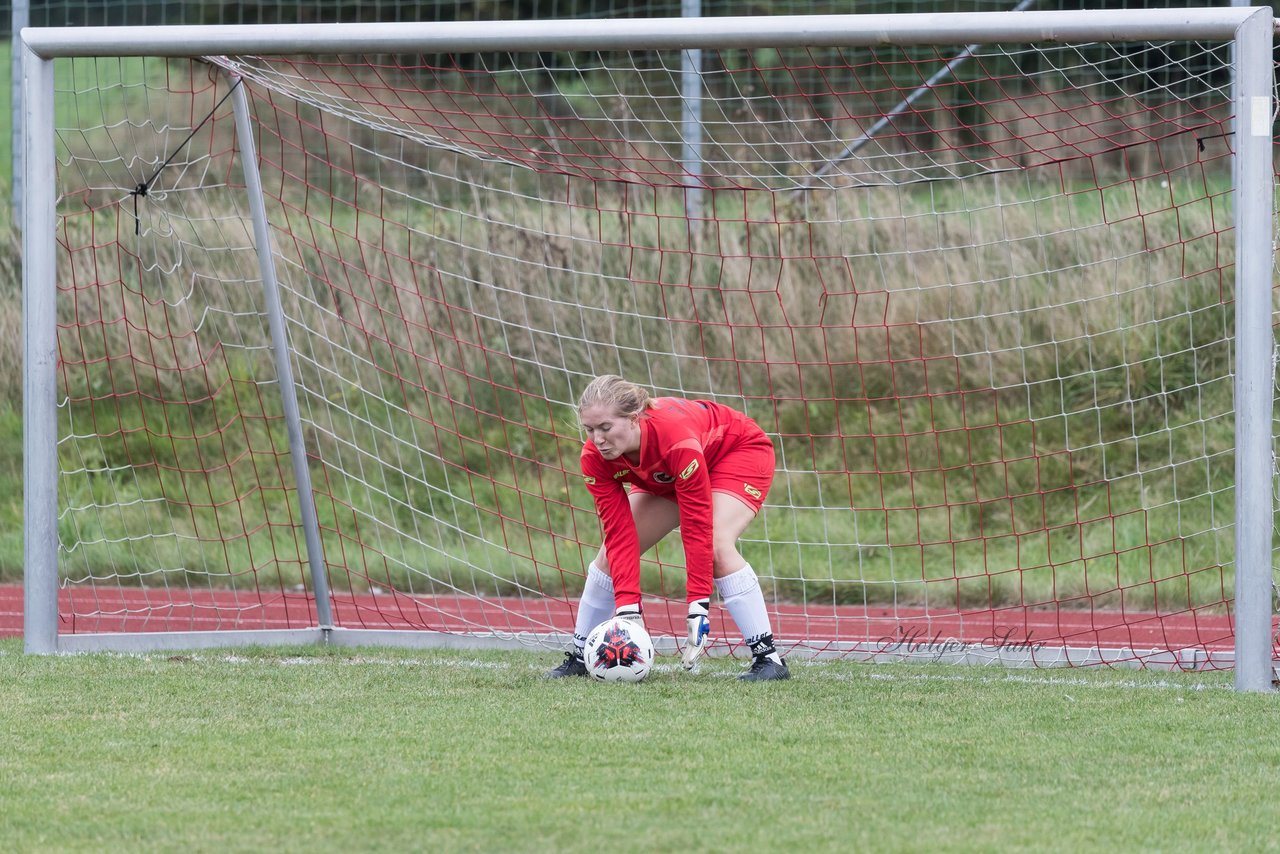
(618, 650)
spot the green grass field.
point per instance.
(379, 750)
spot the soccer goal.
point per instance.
(308, 309)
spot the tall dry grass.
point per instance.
(1007, 275)
(11, 358)
(996, 267)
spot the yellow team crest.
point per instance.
(751, 490)
(689, 470)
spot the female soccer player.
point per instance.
(693, 463)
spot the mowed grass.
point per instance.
(380, 750)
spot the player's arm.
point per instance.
(621, 543)
(693, 494)
(697, 530)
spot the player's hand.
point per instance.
(631, 613)
(699, 633)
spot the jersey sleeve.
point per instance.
(693, 495)
(621, 543)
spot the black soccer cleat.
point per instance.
(765, 669)
(573, 665)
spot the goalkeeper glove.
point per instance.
(631, 613)
(699, 633)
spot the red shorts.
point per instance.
(745, 471)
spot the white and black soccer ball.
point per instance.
(619, 650)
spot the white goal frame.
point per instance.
(1249, 30)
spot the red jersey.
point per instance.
(680, 443)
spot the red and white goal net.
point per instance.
(980, 297)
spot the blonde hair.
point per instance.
(625, 398)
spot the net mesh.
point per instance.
(980, 299)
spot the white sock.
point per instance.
(595, 606)
(743, 599)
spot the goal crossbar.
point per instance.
(641, 33)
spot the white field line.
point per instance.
(823, 670)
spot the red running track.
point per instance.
(111, 609)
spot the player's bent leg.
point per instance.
(739, 589)
(655, 517)
(744, 601)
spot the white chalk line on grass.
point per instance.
(808, 669)
(1056, 681)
